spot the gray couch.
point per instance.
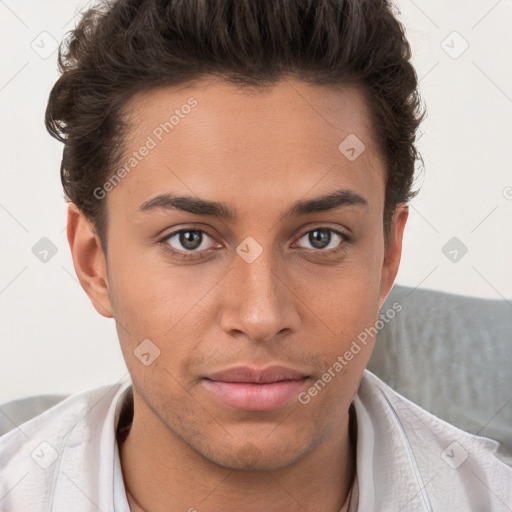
(452, 355)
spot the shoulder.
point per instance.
(32, 453)
(56, 419)
(416, 421)
(449, 465)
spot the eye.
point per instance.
(322, 239)
(186, 242)
(192, 243)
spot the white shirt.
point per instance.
(67, 459)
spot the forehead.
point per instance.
(212, 138)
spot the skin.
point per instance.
(295, 305)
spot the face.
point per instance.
(282, 281)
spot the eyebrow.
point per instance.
(332, 201)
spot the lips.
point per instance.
(253, 389)
(250, 375)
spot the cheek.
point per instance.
(348, 298)
(163, 305)
(148, 295)
(348, 307)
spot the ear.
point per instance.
(393, 251)
(89, 260)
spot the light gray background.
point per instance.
(52, 339)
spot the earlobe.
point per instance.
(88, 260)
(393, 251)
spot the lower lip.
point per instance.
(256, 397)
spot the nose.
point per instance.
(258, 302)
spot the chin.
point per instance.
(256, 455)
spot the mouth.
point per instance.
(253, 389)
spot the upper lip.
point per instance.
(255, 375)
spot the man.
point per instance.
(238, 176)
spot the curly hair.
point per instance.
(124, 47)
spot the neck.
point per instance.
(161, 472)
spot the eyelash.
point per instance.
(197, 255)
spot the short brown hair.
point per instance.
(125, 47)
